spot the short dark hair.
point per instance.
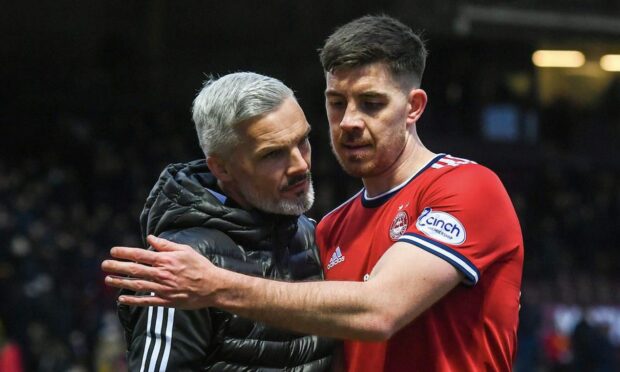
(376, 38)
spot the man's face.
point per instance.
(270, 169)
(367, 112)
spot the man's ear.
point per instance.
(218, 168)
(416, 104)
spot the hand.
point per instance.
(175, 274)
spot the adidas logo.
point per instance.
(337, 258)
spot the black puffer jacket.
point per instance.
(186, 206)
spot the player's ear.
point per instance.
(416, 104)
(219, 168)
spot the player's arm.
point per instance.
(404, 283)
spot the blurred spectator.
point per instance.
(529, 341)
(584, 346)
(110, 347)
(10, 354)
(556, 346)
(591, 348)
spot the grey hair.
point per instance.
(225, 102)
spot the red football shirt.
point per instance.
(459, 211)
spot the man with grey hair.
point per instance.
(241, 208)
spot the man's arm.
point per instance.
(405, 282)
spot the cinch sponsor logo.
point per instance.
(441, 226)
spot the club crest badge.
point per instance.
(399, 225)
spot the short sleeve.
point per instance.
(466, 218)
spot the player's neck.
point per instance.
(413, 158)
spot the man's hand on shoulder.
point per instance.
(174, 274)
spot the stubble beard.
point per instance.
(301, 204)
(367, 167)
(354, 167)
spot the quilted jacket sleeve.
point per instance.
(168, 339)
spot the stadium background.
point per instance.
(96, 98)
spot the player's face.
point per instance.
(271, 168)
(368, 118)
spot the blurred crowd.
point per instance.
(62, 209)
